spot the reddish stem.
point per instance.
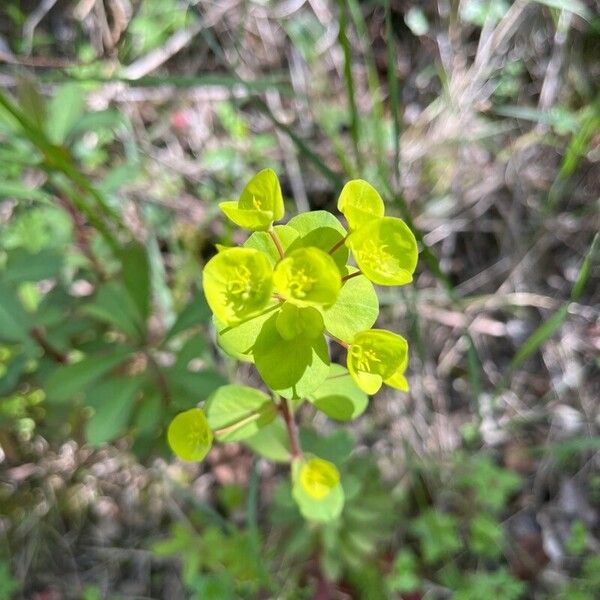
(355, 274)
(337, 245)
(291, 427)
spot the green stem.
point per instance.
(277, 242)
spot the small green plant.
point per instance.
(276, 300)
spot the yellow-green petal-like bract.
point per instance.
(308, 277)
(375, 356)
(238, 283)
(360, 202)
(385, 251)
(189, 435)
(260, 203)
(318, 477)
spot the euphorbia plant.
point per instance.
(277, 301)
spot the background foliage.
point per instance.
(123, 124)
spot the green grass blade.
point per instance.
(349, 81)
(551, 325)
(393, 86)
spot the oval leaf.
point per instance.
(189, 435)
(356, 308)
(339, 397)
(292, 368)
(236, 412)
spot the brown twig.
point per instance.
(38, 335)
(291, 427)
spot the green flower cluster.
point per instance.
(276, 301)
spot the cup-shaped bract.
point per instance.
(377, 356)
(238, 283)
(308, 277)
(360, 203)
(317, 489)
(385, 250)
(189, 435)
(260, 204)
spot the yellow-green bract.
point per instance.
(308, 277)
(385, 250)
(260, 203)
(238, 283)
(377, 356)
(276, 302)
(189, 435)
(317, 489)
(360, 202)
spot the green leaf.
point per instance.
(486, 536)
(356, 308)
(438, 534)
(238, 283)
(31, 103)
(238, 340)
(320, 229)
(191, 387)
(189, 435)
(292, 368)
(335, 447)
(113, 305)
(317, 489)
(271, 442)
(136, 277)
(308, 277)
(296, 321)
(339, 397)
(195, 313)
(70, 380)
(14, 321)
(360, 203)
(385, 250)
(236, 412)
(113, 402)
(64, 109)
(149, 415)
(261, 240)
(23, 266)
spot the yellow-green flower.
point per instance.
(260, 204)
(385, 251)
(308, 277)
(238, 283)
(378, 356)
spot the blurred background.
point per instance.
(124, 122)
